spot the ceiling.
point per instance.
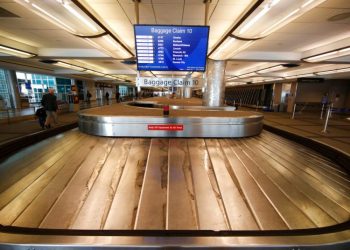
(323, 28)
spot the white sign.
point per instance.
(168, 82)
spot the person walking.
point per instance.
(107, 97)
(49, 102)
(117, 96)
(88, 96)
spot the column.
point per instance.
(214, 95)
(291, 97)
(179, 93)
(187, 92)
(16, 97)
(277, 95)
(90, 86)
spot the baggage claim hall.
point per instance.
(197, 124)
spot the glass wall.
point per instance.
(5, 95)
(63, 88)
(125, 91)
(33, 86)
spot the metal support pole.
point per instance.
(321, 117)
(326, 122)
(206, 13)
(295, 105)
(138, 87)
(137, 12)
(330, 115)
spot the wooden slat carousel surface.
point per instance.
(80, 181)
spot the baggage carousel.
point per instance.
(186, 119)
(76, 190)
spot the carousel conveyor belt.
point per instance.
(262, 183)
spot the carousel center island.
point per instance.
(186, 118)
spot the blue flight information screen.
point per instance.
(171, 48)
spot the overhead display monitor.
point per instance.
(171, 48)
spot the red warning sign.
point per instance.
(169, 127)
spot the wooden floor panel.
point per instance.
(85, 182)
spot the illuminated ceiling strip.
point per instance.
(328, 55)
(258, 16)
(15, 52)
(89, 23)
(116, 45)
(254, 20)
(77, 14)
(307, 3)
(246, 15)
(279, 22)
(115, 77)
(54, 18)
(69, 66)
(343, 70)
(334, 71)
(232, 78)
(235, 83)
(229, 41)
(111, 52)
(306, 75)
(316, 58)
(78, 68)
(82, 8)
(271, 69)
(247, 75)
(94, 72)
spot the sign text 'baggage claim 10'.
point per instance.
(168, 82)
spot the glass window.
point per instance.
(32, 86)
(5, 101)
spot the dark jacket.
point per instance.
(49, 102)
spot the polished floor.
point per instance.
(265, 182)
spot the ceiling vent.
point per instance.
(129, 61)
(290, 65)
(6, 13)
(48, 61)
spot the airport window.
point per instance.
(32, 86)
(63, 88)
(5, 100)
